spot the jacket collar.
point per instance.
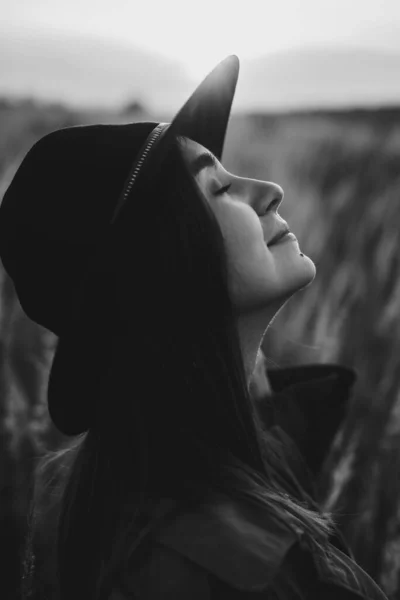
(284, 377)
(309, 403)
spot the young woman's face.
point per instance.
(247, 212)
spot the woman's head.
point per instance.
(77, 221)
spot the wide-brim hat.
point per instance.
(69, 191)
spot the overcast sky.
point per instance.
(200, 33)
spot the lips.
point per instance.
(282, 232)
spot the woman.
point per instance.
(160, 279)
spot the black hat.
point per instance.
(66, 196)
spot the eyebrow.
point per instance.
(206, 159)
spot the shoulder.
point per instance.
(234, 541)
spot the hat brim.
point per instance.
(204, 116)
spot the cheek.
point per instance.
(249, 262)
(242, 231)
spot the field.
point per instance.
(341, 176)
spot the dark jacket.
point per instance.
(230, 550)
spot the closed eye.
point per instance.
(223, 190)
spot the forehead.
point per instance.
(197, 156)
(192, 149)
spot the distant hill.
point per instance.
(88, 72)
(85, 72)
(319, 77)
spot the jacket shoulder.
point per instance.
(229, 549)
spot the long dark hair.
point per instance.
(175, 418)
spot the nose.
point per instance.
(267, 196)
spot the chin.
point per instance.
(301, 274)
(309, 265)
(296, 267)
(306, 271)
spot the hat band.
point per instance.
(151, 142)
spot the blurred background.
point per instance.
(317, 111)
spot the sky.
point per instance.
(200, 34)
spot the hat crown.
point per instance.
(60, 203)
(58, 208)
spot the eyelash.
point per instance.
(223, 190)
